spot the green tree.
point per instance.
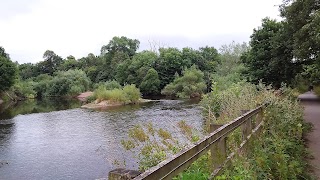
(28, 70)
(210, 59)
(169, 63)
(8, 71)
(133, 71)
(42, 85)
(303, 23)
(93, 66)
(50, 64)
(121, 44)
(191, 84)
(69, 63)
(303, 18)
(150, 84)
(270, 58)
(230, 68)
(68, 83)
(3, 53)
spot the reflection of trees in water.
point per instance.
(8, 111)
(6, 131)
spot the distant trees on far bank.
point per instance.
(280, 52)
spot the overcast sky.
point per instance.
(77, 27)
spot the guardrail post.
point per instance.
(246, 129)
(259, 119)
(218, 150)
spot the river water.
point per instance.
(58, 140)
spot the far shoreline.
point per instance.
(105, 104)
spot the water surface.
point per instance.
(52, 143)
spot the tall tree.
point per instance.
(28, 70)
(133, 72)
(303, 18)
(121, 44)
(150, 84)
(169, 63)
(270, 58)
(51, 62)
(8, 71)
(210, 58)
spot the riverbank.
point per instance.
(107, 103)
(84, 96)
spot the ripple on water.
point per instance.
(79, 143)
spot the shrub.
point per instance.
(116, 95)
(64, 83)
(152, 144)
(109, 85)
(279, 151)
(129, 94)
(132, 93)
(317, 90)
(68, 83)
(8, 71)
(189, 85)
(150, 83)
(24, 89)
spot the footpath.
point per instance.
(311, 104)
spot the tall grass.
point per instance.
(278, 153)
(129, 94)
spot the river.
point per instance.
(58, 140)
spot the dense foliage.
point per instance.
(269, 58)
(280, 52)
(120, 63)
(8, 71)
(68, 83)
(127, 94)
(190, 84)
(287, 51)
(278, 153)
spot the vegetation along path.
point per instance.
(311, 104)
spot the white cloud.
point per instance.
(79, 27)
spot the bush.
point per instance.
(317, 90)
(132, 93)
(189, 85)
(150, 83)
(24, 89)
(68, 83)
(279, 151)
(42, 84)
(8, 71)
(109, 85)
(222, 106)
(129, 94)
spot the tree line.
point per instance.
(118, 61)
(285, 51)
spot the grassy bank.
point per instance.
(104, 97)
(278, 153)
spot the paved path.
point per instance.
(311, 105)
